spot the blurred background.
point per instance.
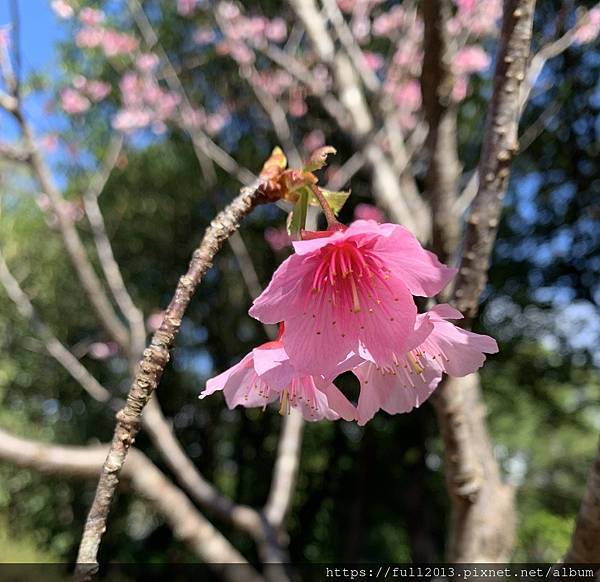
(380, 488)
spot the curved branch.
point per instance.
(150, 371)
(187, 523)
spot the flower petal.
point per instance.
(421, 270)
(282, 296)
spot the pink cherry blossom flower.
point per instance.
(186, 7)
(368, 212)
(276, 30)
(102, 350)
(448, 349)
(350, 291)
(154, 320)
(470, 59)
(373, 61)
(460, 89)
(147, 62)
(89, 37)
(116, 43)
(97, 90)
(590, 28)
(204, 36)
(73, 102)
(91, 16)
(277, 238)
(62, 9)
(313, 140)
(266, 375)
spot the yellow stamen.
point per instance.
(415, 365)
(355, 299)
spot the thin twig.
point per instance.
(149, 374)
(110, 267)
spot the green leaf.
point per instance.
(336, 200)
(299, 213)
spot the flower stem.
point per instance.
(332, 221)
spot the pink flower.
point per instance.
(186, 7)
(204, 36)
(73, 102)
(102, 351)
(368, 212)
(350, 292)
(277, 238)
(471, 59)
(154, 320)
(266, 375)
(313, 140)
(147, 62)
(97, 90)
(89, 37)
(590, 28)
(91, 16)
(460, 89)
(276, 30)
(373, 61)
(448, 349)
(62, 9)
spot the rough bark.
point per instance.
(483, 517)
(149, 373)
(437, 81)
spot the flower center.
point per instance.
(346, 273)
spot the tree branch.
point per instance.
(482, 523)
(150, 371)
(187, 523)
(443, 169)
(110, 267)
(285, 470)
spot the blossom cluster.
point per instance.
(344, 301)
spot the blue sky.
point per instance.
(40, 30)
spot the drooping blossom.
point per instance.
(73, 102)
(266, 375)
(350, 291)
(448, 349)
